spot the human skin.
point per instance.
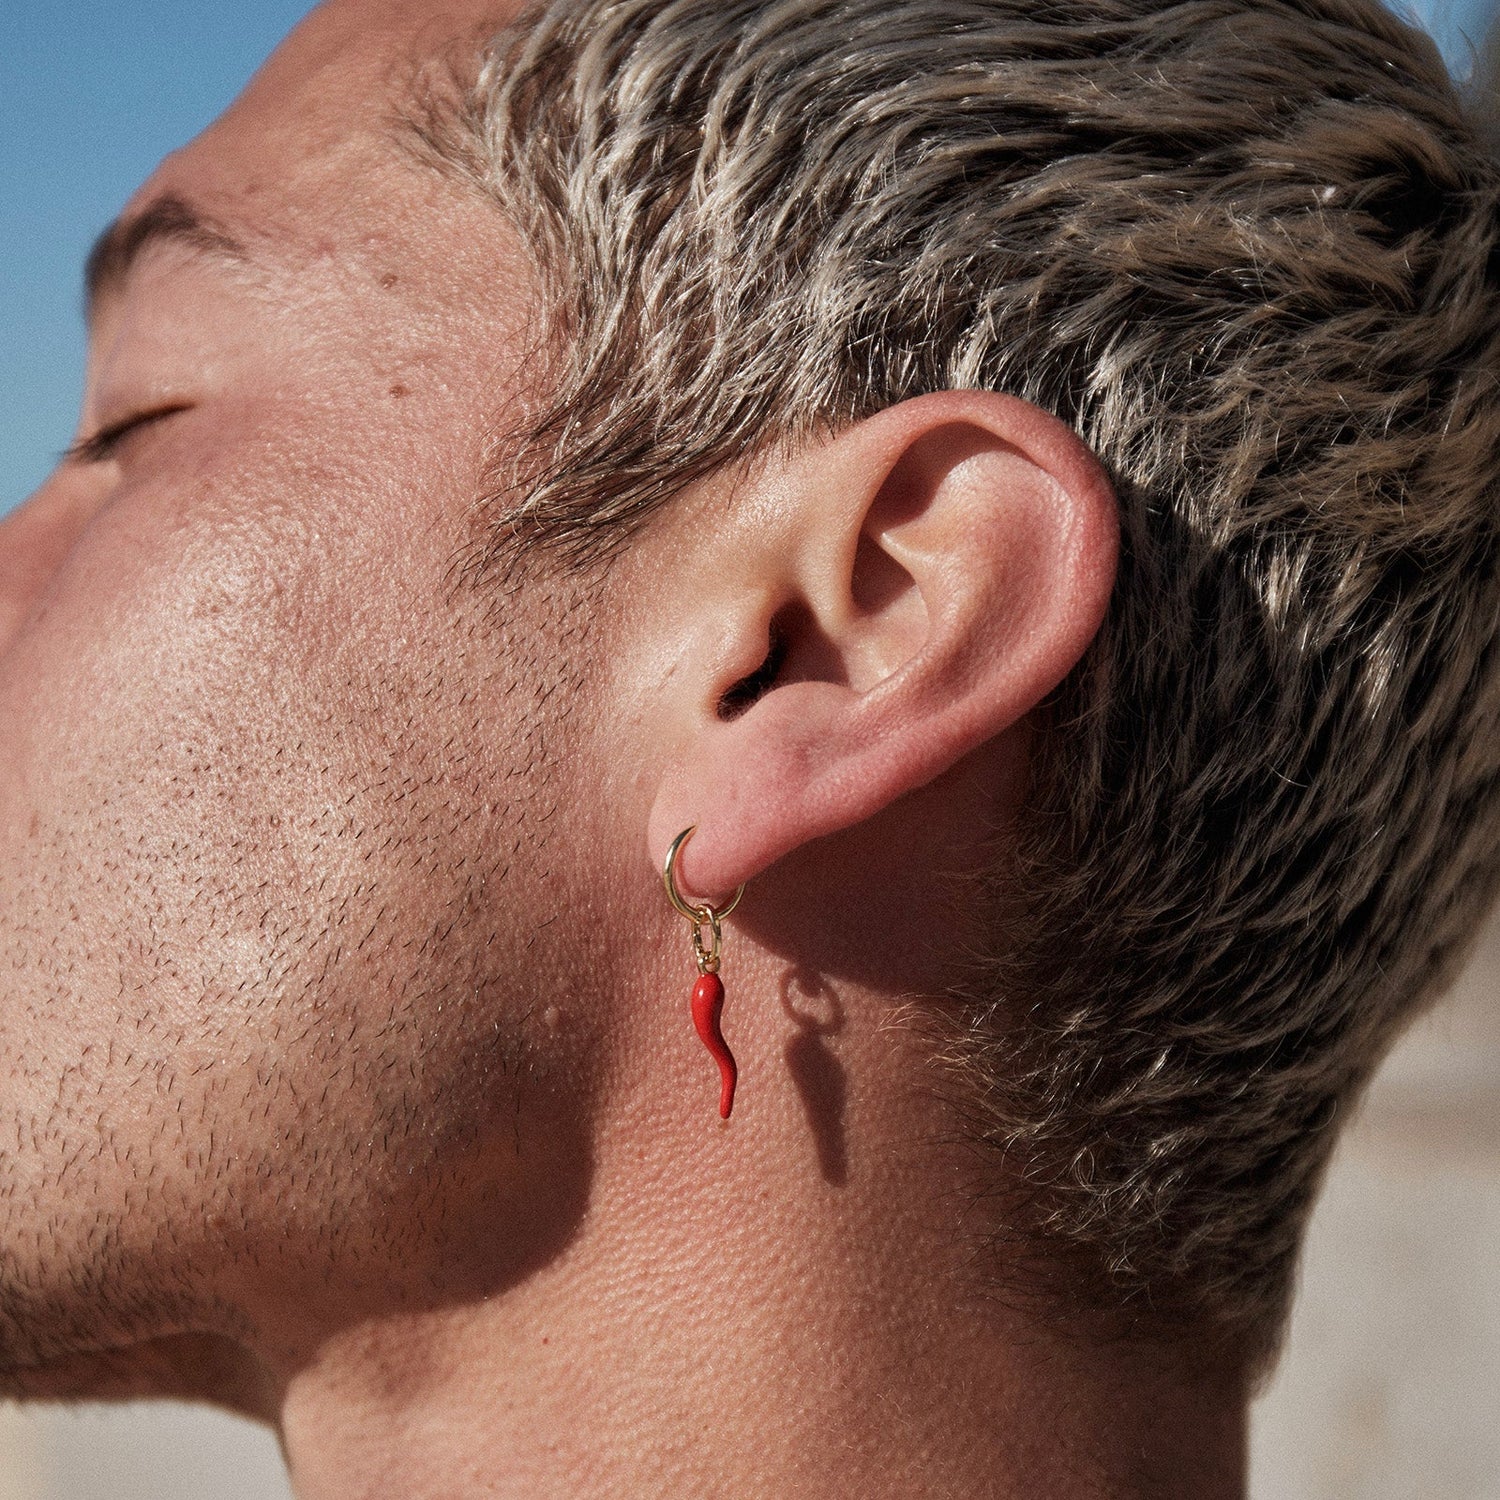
(347, 1071)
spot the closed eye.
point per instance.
(100, 446)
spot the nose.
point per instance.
(35, 538)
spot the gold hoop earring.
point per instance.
(708, 992)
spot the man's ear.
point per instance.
(864, 614)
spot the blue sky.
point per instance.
(91, 97)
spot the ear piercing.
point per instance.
(708, 992)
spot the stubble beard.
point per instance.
(319, 1100)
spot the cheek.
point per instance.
(186, 735)
(252, 761)
(280, 877)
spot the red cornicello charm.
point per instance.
(708, 993)
(708, 1005)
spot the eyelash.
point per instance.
(100, 446)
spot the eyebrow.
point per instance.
(168, 219)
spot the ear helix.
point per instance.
(708, 992)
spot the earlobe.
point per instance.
(931, 575)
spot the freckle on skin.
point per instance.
(389, 280)
(398, 390)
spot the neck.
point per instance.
(780, 1307)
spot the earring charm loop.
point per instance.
(708, 958)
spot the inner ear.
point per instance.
(799, 650)
(740, 695)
